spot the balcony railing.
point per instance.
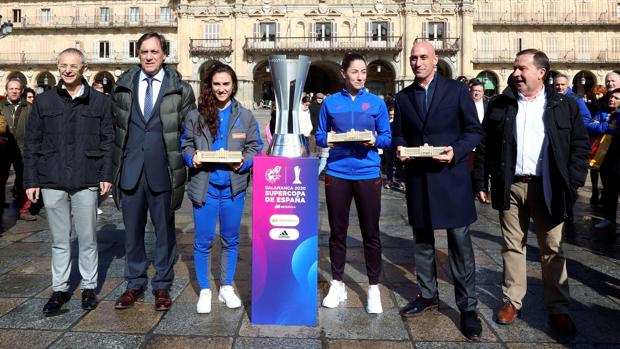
(114, 21)
(390, 44)
(445, 45)
(546, 18)
(115, 57)
(209, 46)
(560, 56)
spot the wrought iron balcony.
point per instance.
(559, 56)
(111, 21)
(114, 57)
(444, 45)
(546, 18)
(199, 47)
(389, 44)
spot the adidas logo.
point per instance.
(284, 234)
(289, 234)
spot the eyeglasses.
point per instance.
(72, 67)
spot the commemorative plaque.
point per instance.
(425, 151)
(221, 155)
(351, 136)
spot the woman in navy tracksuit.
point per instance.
(353, 172)
(217, 191)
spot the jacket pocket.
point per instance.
(90, 122)
(93, 165)
(52, 122)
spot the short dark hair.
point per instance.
(305, 99)
(475, 82)
(541, 61)
(617, 90)
(27, 90)
(560, 75)
(349, 58)
(159, 37)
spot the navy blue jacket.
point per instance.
(439, 196)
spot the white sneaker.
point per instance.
(204, 302)
(228, 297)
(337, 293)
(605, 224)
(374, 300)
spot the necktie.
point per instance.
(148, 98)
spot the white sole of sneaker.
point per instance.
(227, 305)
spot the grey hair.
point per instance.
(612, 73)
(21, 83)
(75, 51)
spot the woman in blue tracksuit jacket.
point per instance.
(606, 122)
(217, 191)
(353, 172)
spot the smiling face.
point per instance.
(152, 56)
(528, 78)
(222, 86)
(355, 76)
(476, 92)
(72, 68)
(612, 82)
(423, 61)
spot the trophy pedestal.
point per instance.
(285, 241)
(289, 146)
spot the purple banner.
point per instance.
(284, 241)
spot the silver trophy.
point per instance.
(289, 77)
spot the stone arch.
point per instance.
(107, 79)
(445, 68)
(263, 85)
(552, 74)
(583, 82)
(380, 78)
(46, 80)
(324, 76)
(490, 80)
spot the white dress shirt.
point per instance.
(480, 109)
(530, 135)
(157, 80)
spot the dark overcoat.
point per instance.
(439, 196)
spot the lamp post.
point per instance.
(7, 28)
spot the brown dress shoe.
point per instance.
(27, 217)
(507, 314)
(163, 301)
(128, 298)
(563, 323)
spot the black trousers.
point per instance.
(367, 194)
(461, 261)
(135, 204)
(611, 190)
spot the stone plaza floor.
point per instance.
(25, 285)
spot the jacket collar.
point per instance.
(22, 102)
(63, 92)
(126, 80)
(553, 98)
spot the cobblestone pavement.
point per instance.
(25, 279)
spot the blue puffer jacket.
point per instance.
(341, 114)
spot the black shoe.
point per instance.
(89, 299)
(56, 301)
(471, 325)
(419, 306)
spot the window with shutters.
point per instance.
(17, 15)
(133, 49)
(46, 15)
(485, 48)
(164, 14)
(436, 31)
(267, 31)
(104, 49)
(134, 14)
(583, 47)
(380, 31)
(615, 45)
(212, 34)
(618, 9)
(104, 14)
(323, 31)
(552, 48)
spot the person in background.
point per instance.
(305, 123)
(98, 86)
(393, 167)
(606, 121)
(30, 95)
(217, 191)
(596, 105)
(353, 172)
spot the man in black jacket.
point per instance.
(67, 161)
(536, 151)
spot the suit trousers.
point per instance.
(64, 210)
(135, 204)
(461, 261)
(527, 201)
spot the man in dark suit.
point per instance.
(536, 154)
(440, 112)
(149, 104)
